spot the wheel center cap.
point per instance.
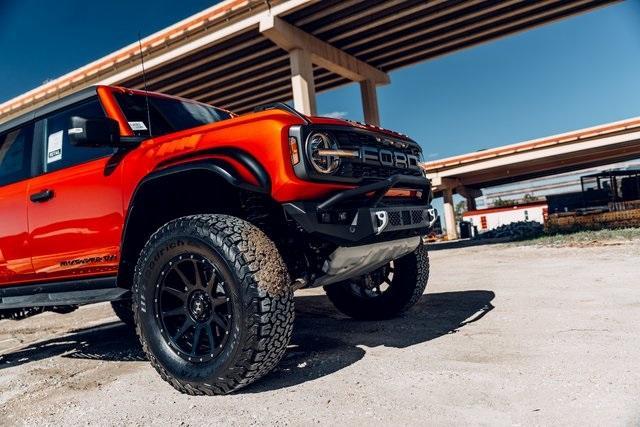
(199, 305)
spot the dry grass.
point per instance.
(586, 238)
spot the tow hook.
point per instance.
(383, 221)
(433, 213)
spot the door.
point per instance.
(75, 208)
(15, 168)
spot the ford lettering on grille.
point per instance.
(389, 158)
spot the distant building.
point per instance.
(546, 186)
(488, 219)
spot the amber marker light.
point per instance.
(293, 147)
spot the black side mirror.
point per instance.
(93, 132)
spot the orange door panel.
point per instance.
(15, 257)
(75, 229)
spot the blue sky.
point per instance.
(567, 75)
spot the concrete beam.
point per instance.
(289, 37)
(606, 144)
(471, 203)
(470, 194)
(439, 183)
(370, 102)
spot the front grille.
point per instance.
(350, 138)
(395, 219)
(359, 170)
(406, 217)
(355, 168)
(377, 155)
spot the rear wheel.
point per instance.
(124, 311)
(213, 303)
(386, 292)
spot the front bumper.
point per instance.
(360, 215)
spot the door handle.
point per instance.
(42, 196)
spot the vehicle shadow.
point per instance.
(112, 341)
(324, 341)
(466, 243)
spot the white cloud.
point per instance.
(432, 155)
(336, 114)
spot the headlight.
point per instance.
(325, 164)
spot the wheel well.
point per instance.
(168, 197)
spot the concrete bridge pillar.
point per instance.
(470, 195)
(449, 214)
(306, 50)
(302, 82)
(370, 102)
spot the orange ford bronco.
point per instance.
(198, 225)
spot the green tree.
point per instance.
(460, 208)
(499, 203)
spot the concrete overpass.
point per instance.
(242, 53)
(468, 173)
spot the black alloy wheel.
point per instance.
(193, 307)
(213, 303)
(374, 284)
(386, 292)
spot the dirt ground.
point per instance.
(504, 335)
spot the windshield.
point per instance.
(167, 114)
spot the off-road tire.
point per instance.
(411, 274)
(260, 292)
(124, 310)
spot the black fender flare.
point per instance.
(223, 169)
(218, 167)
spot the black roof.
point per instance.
(49, 108)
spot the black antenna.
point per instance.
(144, 81)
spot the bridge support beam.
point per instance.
(470, 195)
(305, 49)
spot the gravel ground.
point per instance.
(504, 335)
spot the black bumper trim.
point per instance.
(379, 189)
(366, 227)
(369, 222)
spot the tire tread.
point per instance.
(264, 281)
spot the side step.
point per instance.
(61, 293)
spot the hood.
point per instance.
(341, 122)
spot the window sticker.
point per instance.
(54, 147)
(137, 126)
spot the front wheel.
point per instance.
(213, 303)
(386, 292)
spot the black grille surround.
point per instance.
(369, 144)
